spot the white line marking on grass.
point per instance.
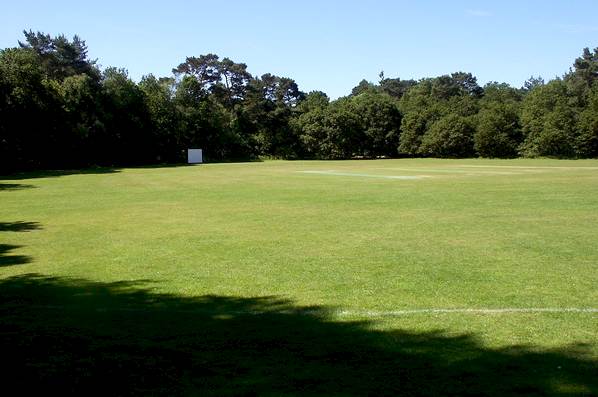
(454, 171)
(338, 312)
(548, 167)
(510, 310)
(336, 173)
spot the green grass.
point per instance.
(163, 270)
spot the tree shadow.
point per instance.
(19, 226)
(10, 260)
(76, 336)
(14, 186)
(98, 170)
(57, 173)
(178, 165)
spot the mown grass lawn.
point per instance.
(265, 279)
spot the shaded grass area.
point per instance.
(8, 259)
(14, 186)
(75, 336)
(55, 173)
(19, 226)
(40, 174)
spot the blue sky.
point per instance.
(325, 45)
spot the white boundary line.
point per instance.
(336, 173)
(509, 310)
(453, 171)
(339, 312)
(530, 167)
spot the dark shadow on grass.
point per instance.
(99, 170)
(234, 161)
(104, 170)
(79, 337)
(177, 165)
(58, 173)
(162, 165)
(10, 260)
(19, 226)
(14, 186)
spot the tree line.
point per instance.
(58, 109)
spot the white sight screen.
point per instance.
(194, 156)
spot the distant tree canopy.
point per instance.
(58, 109)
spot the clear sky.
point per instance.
(325, 45)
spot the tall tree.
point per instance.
(31, 113)
(205, 69)
(234, 80)
(585, 67)
(362, 87)
(127, 120)
(532, 83)
(380, 122)
(498, 131)
(396, 87)
(165, 120)
(548, 121)
(586, 143)
(60, 56)
(451, 136)
(432, 101)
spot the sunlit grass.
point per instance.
(468, 234)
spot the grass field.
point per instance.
(304, 277)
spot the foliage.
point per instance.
(498, 130)
(60, 57)
(31, 116)
(451, 136)
(365, 125)
(59, 110)
(438, 116)
(548, 121)
(396, 87)
(586, 144)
